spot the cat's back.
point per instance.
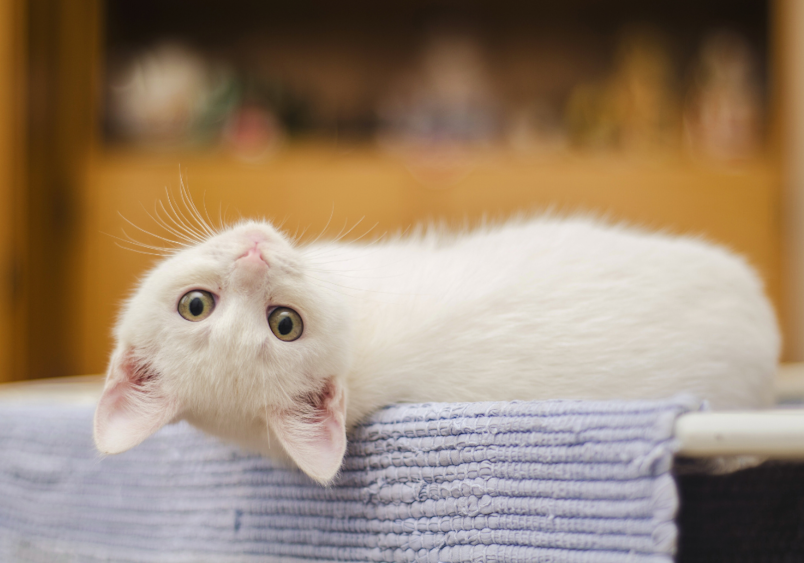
(546, 253)
(572, 308)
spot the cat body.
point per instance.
(529, 310)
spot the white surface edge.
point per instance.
(777, 434)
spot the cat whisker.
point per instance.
(345, 222)
(282, 224)
(179, 221)
(340, 236)
(139, 251)
(374, 226)
(130, 240)
(296, 232)
(206, 213)
(326, 248)
(226, 222)
(303, 232)
(159, 220)
(187, 220)
(170, 226)
(171, 222)
(192, 209)
(189, 200)
(325, 252)
(183, 219)
(331, 213)
(147, 232)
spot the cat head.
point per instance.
(237, 336)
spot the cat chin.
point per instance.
(255, 438)
(310, 431)
(253, 435)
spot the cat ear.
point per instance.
(314, 433)
(133, 405)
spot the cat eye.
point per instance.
(286, 324)
(196, 305)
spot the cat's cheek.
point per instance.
(133, 406)
(314, 436)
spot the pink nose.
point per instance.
(253, 255)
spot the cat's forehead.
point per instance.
(211, 262)
(229, 243)
(245, 233)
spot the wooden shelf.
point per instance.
(306, 185)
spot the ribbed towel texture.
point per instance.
(553, 481)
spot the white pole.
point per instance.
(774, 434)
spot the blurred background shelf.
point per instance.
(307, 186)
(305, 181)
(674, 116)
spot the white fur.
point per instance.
(538, 309)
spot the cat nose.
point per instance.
(253, 254)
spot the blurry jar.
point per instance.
(723, 113)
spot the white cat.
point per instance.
(282, 348)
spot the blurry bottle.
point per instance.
(592, 121)
(252, 132)
(635, 109)
(443, 110)
(447, 100)
(535, 128)
(268, 112)
(723, 113)
(169, 95)
(644, 93)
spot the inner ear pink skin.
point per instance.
(133, 405)
(314, 432)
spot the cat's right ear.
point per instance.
(133, 405)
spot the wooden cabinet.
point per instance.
(12, 174)
(310, 184)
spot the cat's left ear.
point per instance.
(314, 432)
(133, 405)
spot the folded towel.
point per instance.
(558, 481)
